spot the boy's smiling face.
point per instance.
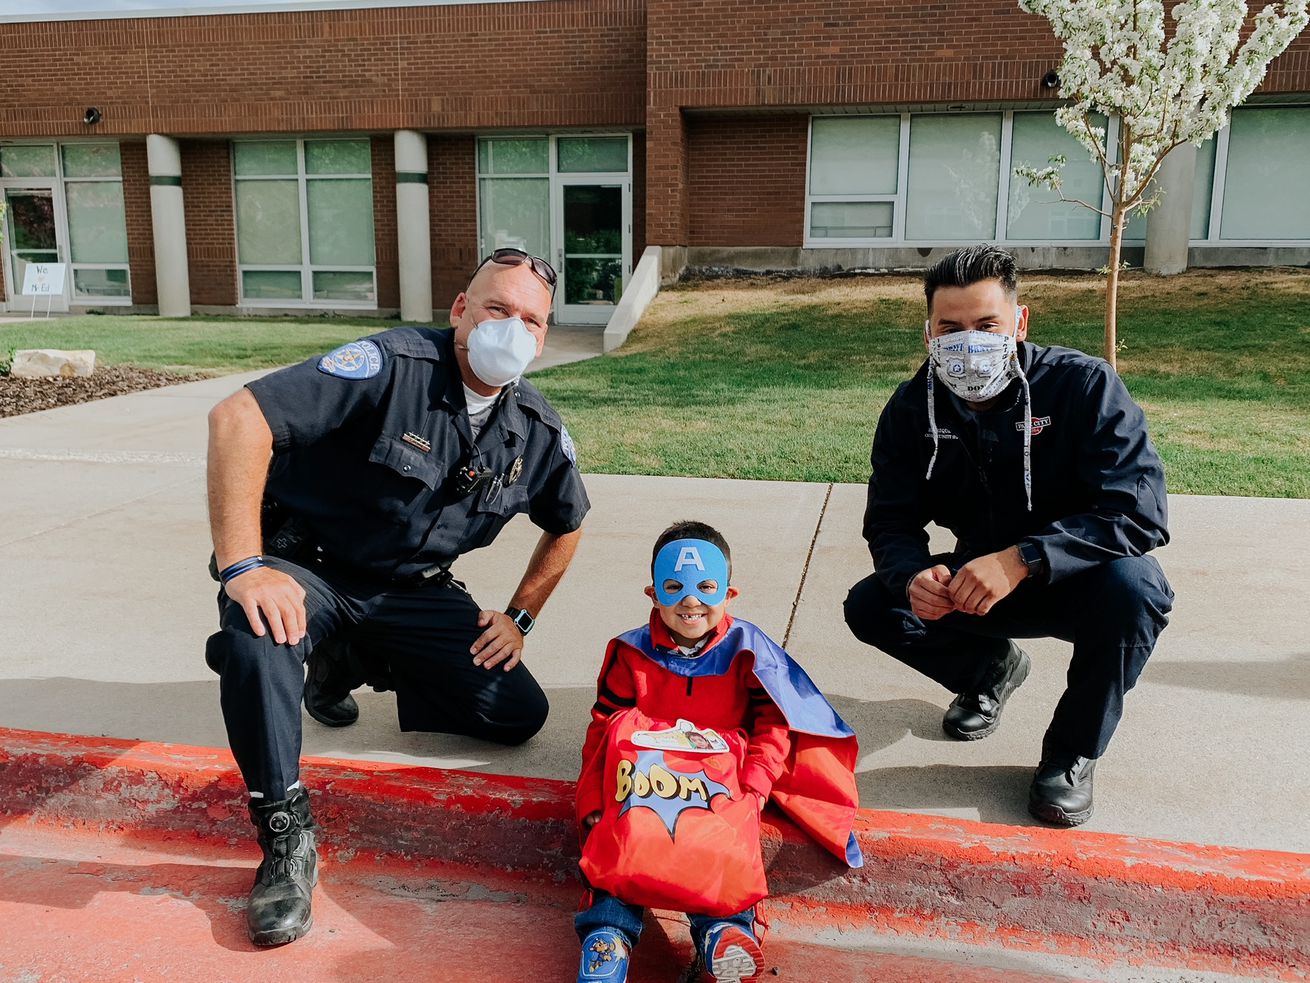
(691, 589)
(691, 619)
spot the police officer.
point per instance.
(391, 457)
(1039, 462)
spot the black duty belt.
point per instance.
(437, 575)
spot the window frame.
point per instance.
(899, 200)
(58, 184)
(307, 268)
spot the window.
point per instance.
(939, 178)
(1263, 194)
(66, 204)
(955, 162)
(592, 155)
(1202, 188)
(514, 194)
(1038, 213)
(854, 164)
(304, 218)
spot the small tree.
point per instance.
(1165, 91)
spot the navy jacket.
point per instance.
(366, 463)
(1097, 483)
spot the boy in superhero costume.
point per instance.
(700, 720)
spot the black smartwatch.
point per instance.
(522, 620)
(1032, 558)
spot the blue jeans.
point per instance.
(607, 911)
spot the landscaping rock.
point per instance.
(37, 363)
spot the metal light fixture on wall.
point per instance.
(92, 116)
(1051, 79)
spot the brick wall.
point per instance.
(211, 234)
(833, 52)
(682, 68)
(724, 54)
(384, 222)
(571, 62)
(746, 180)
(452, 190)
(140, 232)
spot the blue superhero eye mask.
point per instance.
(689, 563)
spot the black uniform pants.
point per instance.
(1112, 613)
(424, 632)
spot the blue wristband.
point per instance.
(240, 567)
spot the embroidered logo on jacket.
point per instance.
(942, 434)
(1040, 423)
(651, 784)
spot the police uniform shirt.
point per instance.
(367, 441)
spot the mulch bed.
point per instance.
(30, 395)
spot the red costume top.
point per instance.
(783, 740)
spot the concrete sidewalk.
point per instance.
(105, 605)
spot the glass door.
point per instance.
(592, 247)
(32, 236)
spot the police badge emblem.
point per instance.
(515, 471)
(357, 360)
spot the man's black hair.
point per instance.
(971, 265)
(690, 530)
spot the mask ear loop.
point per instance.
(932, 413)
(1027, 414)
(932, 421)
(1027, 433)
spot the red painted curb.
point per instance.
(1090, 895)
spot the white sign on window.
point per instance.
(43, 279)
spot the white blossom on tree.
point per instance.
(1166, 90)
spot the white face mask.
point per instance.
(975, 365)
(499, 351)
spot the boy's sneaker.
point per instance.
(731, 954)
(604, 957)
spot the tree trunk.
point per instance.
(1117, 222)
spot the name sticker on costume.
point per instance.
(357, 360)
(684, 737)
(566, 444)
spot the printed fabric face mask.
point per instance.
(976, 366)
(690, 563)
(500, 351)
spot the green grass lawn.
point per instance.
(785, 380)
(220, 345)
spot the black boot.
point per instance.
(972, 716)
(329, 678)
(278, 910)
(1061, 791)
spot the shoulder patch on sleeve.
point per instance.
(357, 360)
(566, 444)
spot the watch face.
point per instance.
(1030, 555)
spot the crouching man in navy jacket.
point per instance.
(1039, 462)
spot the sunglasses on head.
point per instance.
(517, 257)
